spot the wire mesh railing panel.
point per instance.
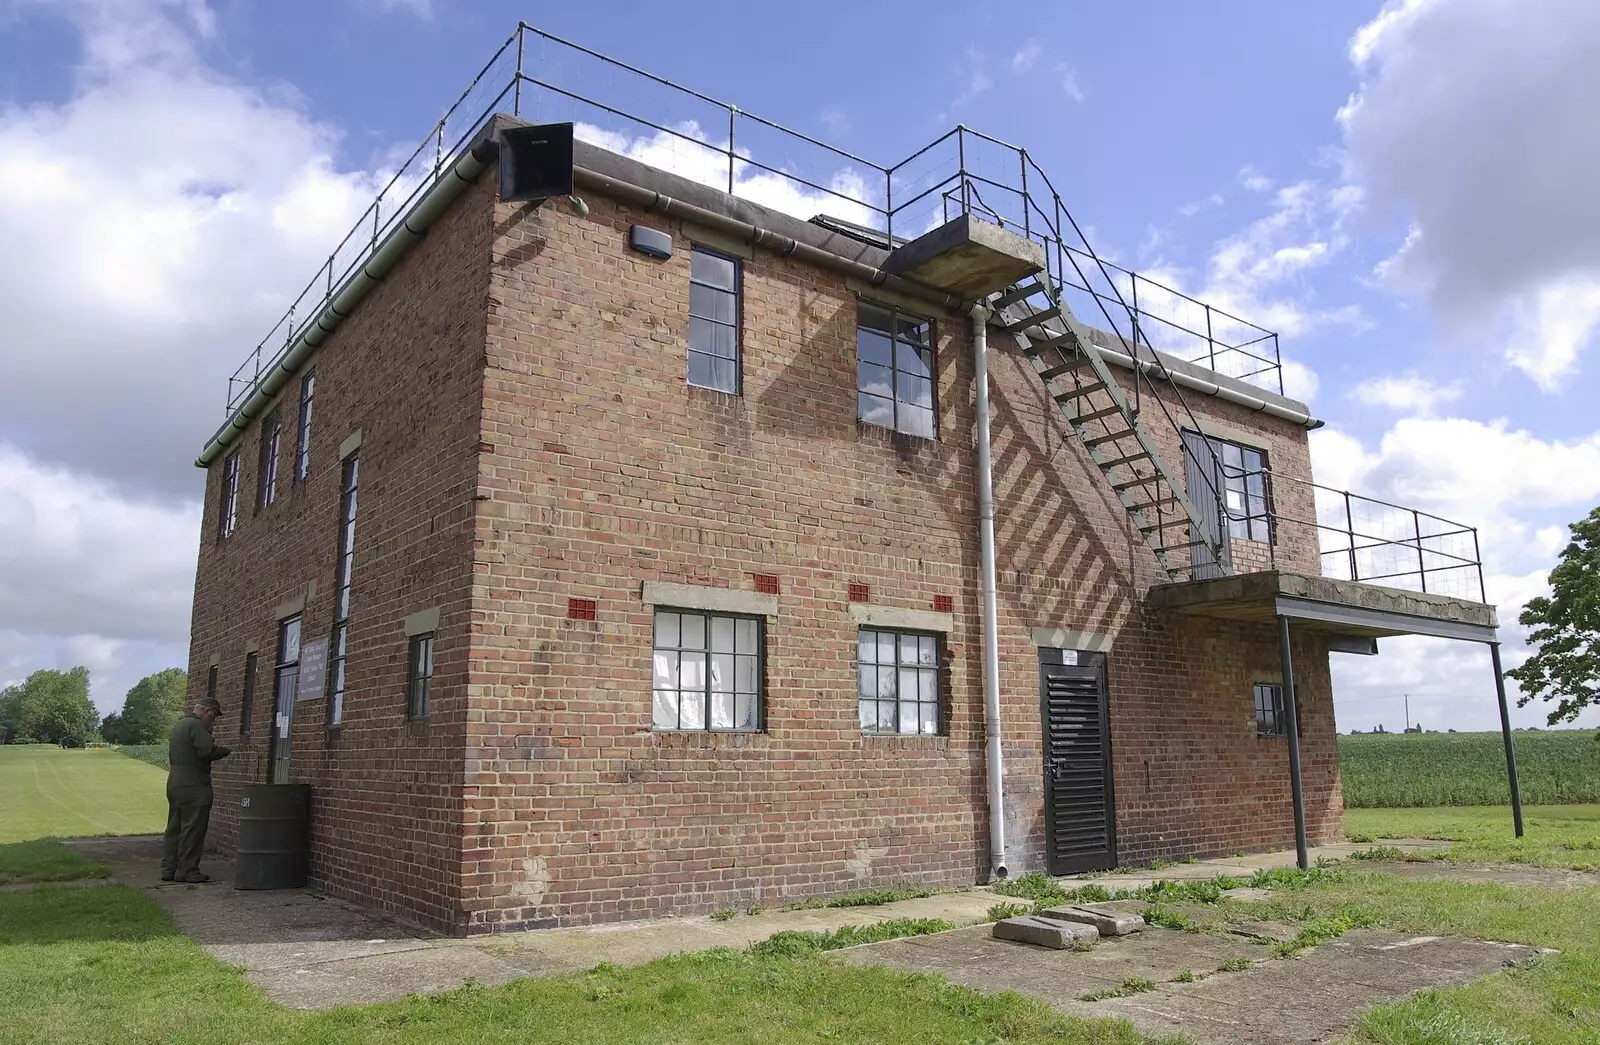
(1372, 541)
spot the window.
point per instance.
(419, 675)
(707, 671)
(899, 691)
(1270, 718)
(248, 697)
(1243, 485)
(267, 488)
(894, 371)
(302, 451)
(211, 683)
(285, 690)
(713, 321)
(341, 589)
(228, 516)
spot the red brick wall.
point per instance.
(406, 370)
(608, 471)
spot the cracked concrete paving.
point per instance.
(1309, 998)
(310, 952)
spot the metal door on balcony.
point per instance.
(1079, 809)
(1203, 477)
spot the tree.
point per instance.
(151, 708)
(50, 706)
(1565, 667)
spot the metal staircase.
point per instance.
(1187, 539)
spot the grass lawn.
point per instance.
(45, 792)
(104, 964)
(45, 860)
(1554, 836)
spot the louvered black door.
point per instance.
(1079, 812)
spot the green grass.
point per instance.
(861, 898)
(48, 792)
(45, 860)
(155, 754)
(104, 965)
(1556, 836)
(1389, 770)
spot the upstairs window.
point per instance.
(302, 445)
(419, 676)
(271, 433)
(894, 371)
(713, 321)
(228, 507)
(340, 654)
(1240, 477)
(707, 672)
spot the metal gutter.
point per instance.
(991, 615)
(433, 203)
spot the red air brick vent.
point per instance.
(860, 593)
(944, 604)
(767, 583)
(582, 609)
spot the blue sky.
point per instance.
(1403, 191)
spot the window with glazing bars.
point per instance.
(419, 676)
(899, 681)
(1245, 495)
(707, 671)
(713, 321)
(267, 486)
(339, 652)
(894, 370)
(1270, 718)
(302, 444)
(247, 699)
(228, 513)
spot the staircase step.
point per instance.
(1100, 440)
(1140, 456)
(1173, 499)
(1077, 363)
(1053, 341)
(1020, 292)
(1097, 415)
(1037, 319)
(1080, 392)
(1184, 544)
(1143, 480)
(1157, 527)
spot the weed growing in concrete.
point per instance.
(796, 942)
(1294, 878)
(1235, 965)
(1127, 988)
(1378, 852)
(1167, 918)
(1321, 930)
(753, 910)
(1080, 945)
(724, 915)
(862, 898)
(1001, 911)
(1185, 976)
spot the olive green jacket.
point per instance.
(191, 752)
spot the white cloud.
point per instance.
(1300, 381)
(692, 154)
(1472, 118)
(1254, 180)
(1406, 393)
(1069, 82)
(1025, 56)
(836, 122)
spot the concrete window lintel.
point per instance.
(290, 607)
(423, 622)
(1218, 430)
(870, 616)
(717, 241)
(351, 444)
(885, 296)
(709, 597)
(216, 660)
(1062, 638)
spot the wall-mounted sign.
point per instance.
(313, 669)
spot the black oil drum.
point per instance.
(274, 827)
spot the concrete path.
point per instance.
(310, 952)
(1246, 865)
(1309, 998)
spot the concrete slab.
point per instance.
(967, 257)
(1107, 922)
(1052, 933)
(1309, 998)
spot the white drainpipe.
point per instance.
(991, 642)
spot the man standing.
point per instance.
(190, 754)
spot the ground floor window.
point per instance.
(419, 676)
(708, 671)
(899, 681)
(1270, 718)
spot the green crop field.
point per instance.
(1391, 770)
(45, 791)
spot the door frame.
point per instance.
(1086, 661)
